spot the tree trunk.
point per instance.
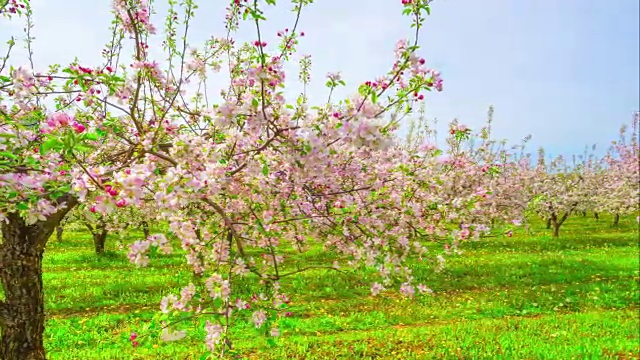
(22, 311)
(595, 215)
(59, 231)
(99, 234)
(616, 219)
(584, 214)
(145, 229)
(556, 223)
(99, 238)
(548, 223)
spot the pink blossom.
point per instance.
(407, 290)
(214, 335)
(79, 128)
(376, 289)
(258, 318)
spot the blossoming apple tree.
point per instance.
(618, 192)
(558, 189)
(484, 168)
(237, 181)
(598, 184)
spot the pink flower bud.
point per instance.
(78, 127)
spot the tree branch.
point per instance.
(228, 223)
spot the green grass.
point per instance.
(526, 297)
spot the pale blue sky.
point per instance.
(564, 71)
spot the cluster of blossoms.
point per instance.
(24, 83)
(58, 121)
(134, 15)
(13, 7)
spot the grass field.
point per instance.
(526, 297)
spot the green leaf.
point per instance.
(56, 194)
(52, 143)
(83, 148)
(265, 169)
(374, 97)
(90, 136)
(23, 206)
(363, 90)
(8, 155)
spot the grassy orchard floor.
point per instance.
(514, 298)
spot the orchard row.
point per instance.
(246, 182)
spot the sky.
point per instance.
(565, 71)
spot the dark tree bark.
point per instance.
(99, 234)
(199, 255)
(595, 215)
(99, 238)
(145, 229)
(22, 311)
(59, 231)
(556, 223)
(584, 214)
(616, 219)
(548, 223)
